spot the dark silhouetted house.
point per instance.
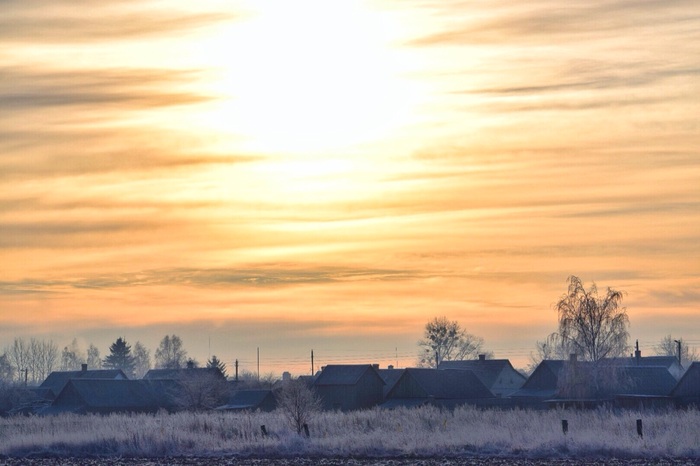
(390, 377)
(250, 400)
(445, 387)
(669, 362)
(499, 375)
(540, 386)
(687, 391)
(58, 379)
(105, 396)
(193, 387)
(349, 387)
(644, 387)
(175, 374)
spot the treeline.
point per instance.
(31, 360)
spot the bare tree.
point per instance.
(170, 353)
(553, 347)
(32, 360)
(668, 346)
(48, 359)
(93, 357)
(7, 372)
(298, 403)
(200, 389)
(142, 360)
(592, 380)
(18, 356)
(592, 327)
(72, 357)
(446, 340)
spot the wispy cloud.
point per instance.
(263, 275)
(40, 21)
(31, 89)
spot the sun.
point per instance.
(307, 77)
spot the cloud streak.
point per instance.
(40, 21)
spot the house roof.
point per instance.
(247, 399)
(447, 383)
(689, 384)
(390, 377)
(665, 361)
(110, 394)
(648, 380)
(344, 374)
(544, 377)
(488, 370)
(58, 379)
(172, 374)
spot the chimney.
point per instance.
(390, 366)
(286, 376)
(83, 367)
(572, 358)
(637, 353)
(376, 366)
(190, 364)
(482, 357)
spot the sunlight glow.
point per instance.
(307, 77)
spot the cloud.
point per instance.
(39, 21)
(547, 21)
(31, 89)
(265, 275)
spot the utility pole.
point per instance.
(236, 370)
(312, 362)
(678, 342)
(258, 364)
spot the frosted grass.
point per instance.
(422, 432)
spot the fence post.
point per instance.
(306, 430)
(564, 426)
(639, 428)
(263, 430)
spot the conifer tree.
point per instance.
(215, 362)
(120, 357)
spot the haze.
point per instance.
(331, 175)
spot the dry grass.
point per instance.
(424, 432)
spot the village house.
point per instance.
(106, 396)
(56, 380)
(686, 393)
(250, 400)
(634, 382)
(446, 388)
(499, 375)
(349, 387)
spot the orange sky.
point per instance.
(332, 175)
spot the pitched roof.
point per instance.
(247, 399)
(173, 374)
(487, 370)
(58, 379)
(109, 394)
(689, 384)
(545, 376)
(665, 361)
(390, 377)
(446, 384)
(344, 374)
(648, 380)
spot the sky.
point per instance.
(273, 177)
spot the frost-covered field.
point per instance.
(417, 434)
